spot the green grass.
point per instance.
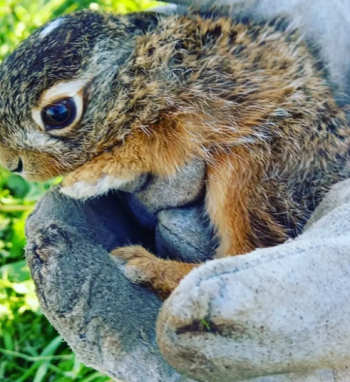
(30, 348)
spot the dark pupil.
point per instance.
(59, 115)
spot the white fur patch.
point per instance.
(84, 190)
(39, 140)
(63, 89)
(50, 27)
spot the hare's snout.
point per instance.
(19, 168)
(11, 160)
(15, 165)
(30, 165)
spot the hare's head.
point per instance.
(58, 91)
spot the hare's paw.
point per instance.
(138, 265)
(96, 177)
(85, 189)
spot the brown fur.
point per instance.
(251, 101)
(281, 74)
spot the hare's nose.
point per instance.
(19, 167)
(10, 159)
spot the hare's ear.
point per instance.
(195, 3)
(145, 21)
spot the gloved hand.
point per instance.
(109, 322)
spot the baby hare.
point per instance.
(103, 98)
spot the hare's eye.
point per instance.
(60, 114)
(60, 108)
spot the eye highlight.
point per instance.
(60, 114)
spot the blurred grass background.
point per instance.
(30, 349)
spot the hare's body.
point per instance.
(250, 100)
